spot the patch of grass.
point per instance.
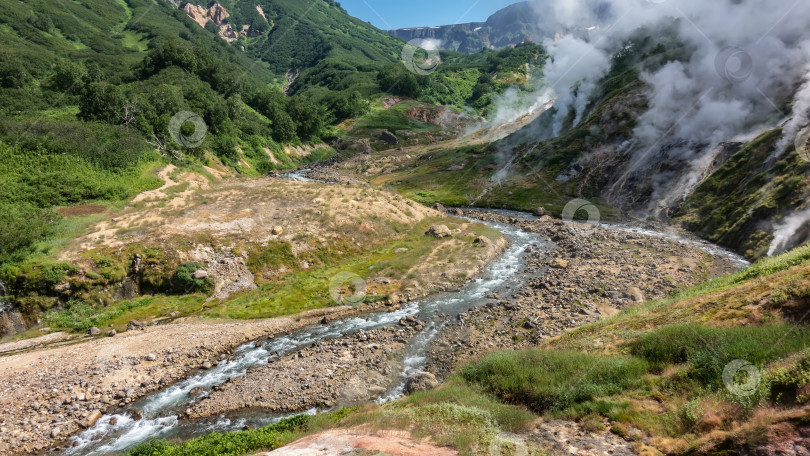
(708, 350)
(227, 444)
(548, 379)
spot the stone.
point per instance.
(439, 231)
(400, 250)
(439, 207)
(62, 287)
(174, 314)
(93, 331)
(199, 274)
(559, 263)
(277, 230)
(206, 365)
(456, 211)
(90, 419)
(55, 432)
(483, 240)
(635, 294)
(389, 137)
(539, 212)
(151, 357)
(112, 333)
(421, 381)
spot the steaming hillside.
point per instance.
(691, 114)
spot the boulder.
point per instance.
(90, 419)
(151, 357)
(634, 294)
(421, 381)
(439, 231)
(389, 137)
(482, 240)
(93, 331)
(112, 333)
(559, 263)
(539, 212)
(277, 230)
(439, 207)
(199, 274)
(456, 211)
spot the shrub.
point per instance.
(183, 281)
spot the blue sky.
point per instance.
(388, 14)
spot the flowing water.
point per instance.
(4, 305)
(161, 410)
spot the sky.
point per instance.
(393, 14)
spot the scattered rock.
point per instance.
(421, 381)
(277, 230)
(439, 207)
(635, 294)
(90, 419)
(151, 357)
(483, 240)
(55, 432)
(174, 314)
(200, 274)
(559, 263)
(389, 137)
(439, 231)
(456, 211)
(112, 333)
(539, 212)
(93, 331)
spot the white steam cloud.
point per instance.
(786, 231)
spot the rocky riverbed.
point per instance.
(49, 394)
(593, 272)
(346, 371)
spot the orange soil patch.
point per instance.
(339, 441)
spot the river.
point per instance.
(161, 411)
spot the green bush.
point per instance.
(552, 380)
(183, 281)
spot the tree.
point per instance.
(69, 77)
(307, 116)
(397, 80)
(282, 124)
(101, 101)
